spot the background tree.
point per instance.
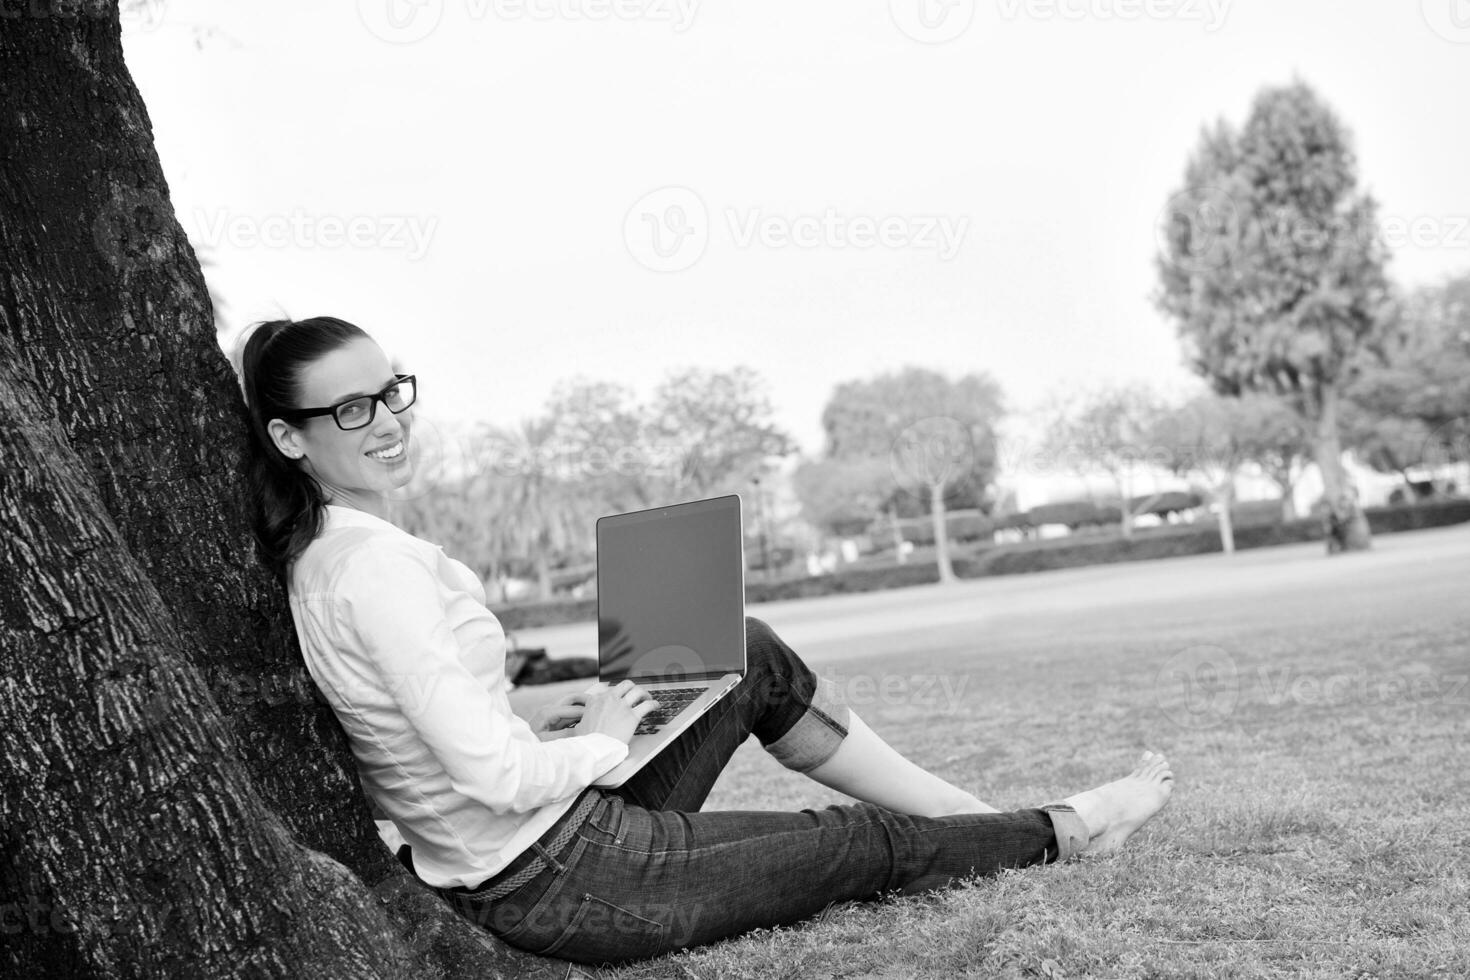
(1273, 270)
(1208, 438)
(598, 426)
(174, 798)
(461, 508)
(716, 427)
(1412, 408)
(525, 499)
(842, 497)
(541, 517)
(934, 433)
(1109, 430)
(1278, 441)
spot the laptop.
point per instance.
(670, 615)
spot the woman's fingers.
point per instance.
(631, 692)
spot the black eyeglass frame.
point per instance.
(398, 380)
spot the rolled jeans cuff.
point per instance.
(816, 734)
(1071, 831)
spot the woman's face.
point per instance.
(343, 461)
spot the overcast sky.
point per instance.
(511, 193)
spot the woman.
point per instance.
(496, 813)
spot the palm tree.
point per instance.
(536, 514)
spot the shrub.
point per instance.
(1074, 513)
(1169, 502)
(1034, 556)
(961, 525)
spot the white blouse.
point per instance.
(397, 638)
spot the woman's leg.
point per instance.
(637, 883)
(832, 744)
(779, 701)
(867, 768)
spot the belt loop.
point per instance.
(545, 855)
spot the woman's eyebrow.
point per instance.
(360, 394)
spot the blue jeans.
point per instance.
(648, 873)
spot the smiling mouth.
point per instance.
(392, 452)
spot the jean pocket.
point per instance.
(601, 932)
(607, 816)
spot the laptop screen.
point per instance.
(671, 592)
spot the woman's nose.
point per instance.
(386, 423)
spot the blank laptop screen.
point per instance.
(671, 592)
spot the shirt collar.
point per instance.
(339, 515)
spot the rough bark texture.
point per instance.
(177, 800)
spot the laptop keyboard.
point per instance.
(670, 703)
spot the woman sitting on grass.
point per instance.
(496, 813)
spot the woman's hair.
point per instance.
(287, 501)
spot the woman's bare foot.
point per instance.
(1115, 810)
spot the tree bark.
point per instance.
(1347, 526)
(1226, 496)
(1124, 480)
(177, 800)
(941, 533)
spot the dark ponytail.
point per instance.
(287, 501)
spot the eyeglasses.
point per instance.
(357, 412)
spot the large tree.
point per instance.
(1273, 270)
(936, 434)
(174, 800)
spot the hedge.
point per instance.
(971, 525)
(1169, 541)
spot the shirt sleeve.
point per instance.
(392, 602)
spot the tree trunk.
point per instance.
(1288, 503)
(1285, 480)
(1226, 496)
(177, 800)
(941, 533)
(1347, 526)
(897, 535)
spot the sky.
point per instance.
(511, 193)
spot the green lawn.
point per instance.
(1317, 714)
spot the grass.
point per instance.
(1317, 722)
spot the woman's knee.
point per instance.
(758, 632)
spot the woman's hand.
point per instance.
(614, 711)
(555, 720)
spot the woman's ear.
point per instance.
(285, 438)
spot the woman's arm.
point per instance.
(391, 608)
